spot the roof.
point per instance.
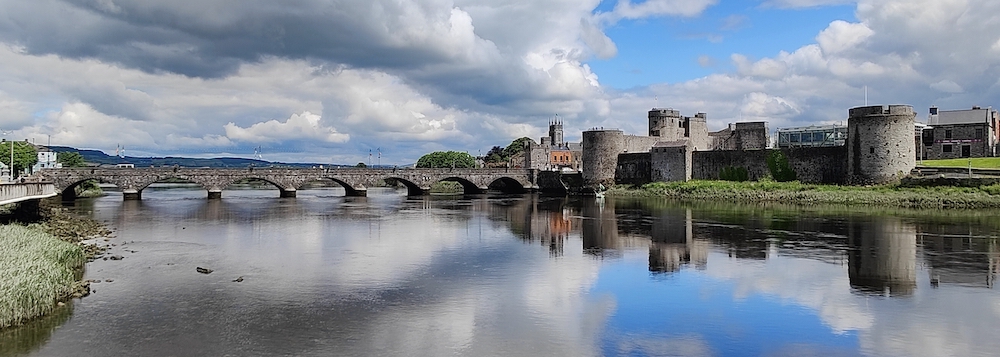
(967, 116)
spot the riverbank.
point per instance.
(42, 264)
(808, 194)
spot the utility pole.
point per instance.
(10, 169)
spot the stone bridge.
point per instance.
(354, 180)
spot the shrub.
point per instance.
(734, 173)
(781, 171)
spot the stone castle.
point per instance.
(880, 148)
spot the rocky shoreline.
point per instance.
(87, 234)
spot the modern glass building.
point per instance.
(810, 136)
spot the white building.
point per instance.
(46, 160)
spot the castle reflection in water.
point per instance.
(882, 252)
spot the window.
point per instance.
(946, 148)
(979, 133)
(819, 137)
(872, 150)
(928, 137)
(947, 135)
(795, 138)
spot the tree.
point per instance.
(361, 165)
(446, 159)
(71, 159)
(25, 155)
(516, 147)
(495, 155)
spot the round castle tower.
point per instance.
(880, 145)
(600, 156)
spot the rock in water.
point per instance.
(203, 270)
(238, 280)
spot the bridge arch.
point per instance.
(351, 189)
(216, 187)
(412, 189)
(67, 189)
(507, 185)
(468, 186)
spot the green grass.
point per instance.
(806, 194)
(977, 163)
(36, 271)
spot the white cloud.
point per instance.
(793, 4)
(841, 36)
(625, 9)
(299, 126)
(947, 86)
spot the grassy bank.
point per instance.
(805, 194)
(37, 271)
(976, 162)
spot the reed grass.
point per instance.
(36, 271)
(805, 194)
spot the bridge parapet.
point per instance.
(355, 180)
(18, 192)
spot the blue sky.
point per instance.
(328, 80)
(668, 50)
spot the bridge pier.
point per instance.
(287, 193)
(357, 193)
(132, 194)
(214, 195)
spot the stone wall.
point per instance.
(536, 156)
(633, 169)
(819, 164)
(740, 136)
(600, 156)
(706, 165)
(880, 144)
(671, 162)
(751, 136)
(698, 132)
(635, 143)
(811, 165)
(961, 135)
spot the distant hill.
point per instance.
(98, 158)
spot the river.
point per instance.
(523, 275)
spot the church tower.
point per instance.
(556, 132)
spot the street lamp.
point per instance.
(10, 170)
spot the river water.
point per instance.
(526, 275)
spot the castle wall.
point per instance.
(600, 156)
(698, 132)
(822, 164)
(633, 169)
(706, 165)
(811, 165)
(536, 156)
(880, 144)
(634, 143)
(751, 136)
(671, 162)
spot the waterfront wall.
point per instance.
(634, 169)
(706, 165)
(671, 161)
(677, 163)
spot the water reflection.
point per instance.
(883, 257)
(532, 275)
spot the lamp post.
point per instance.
(10, 169)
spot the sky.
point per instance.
(332, 81)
